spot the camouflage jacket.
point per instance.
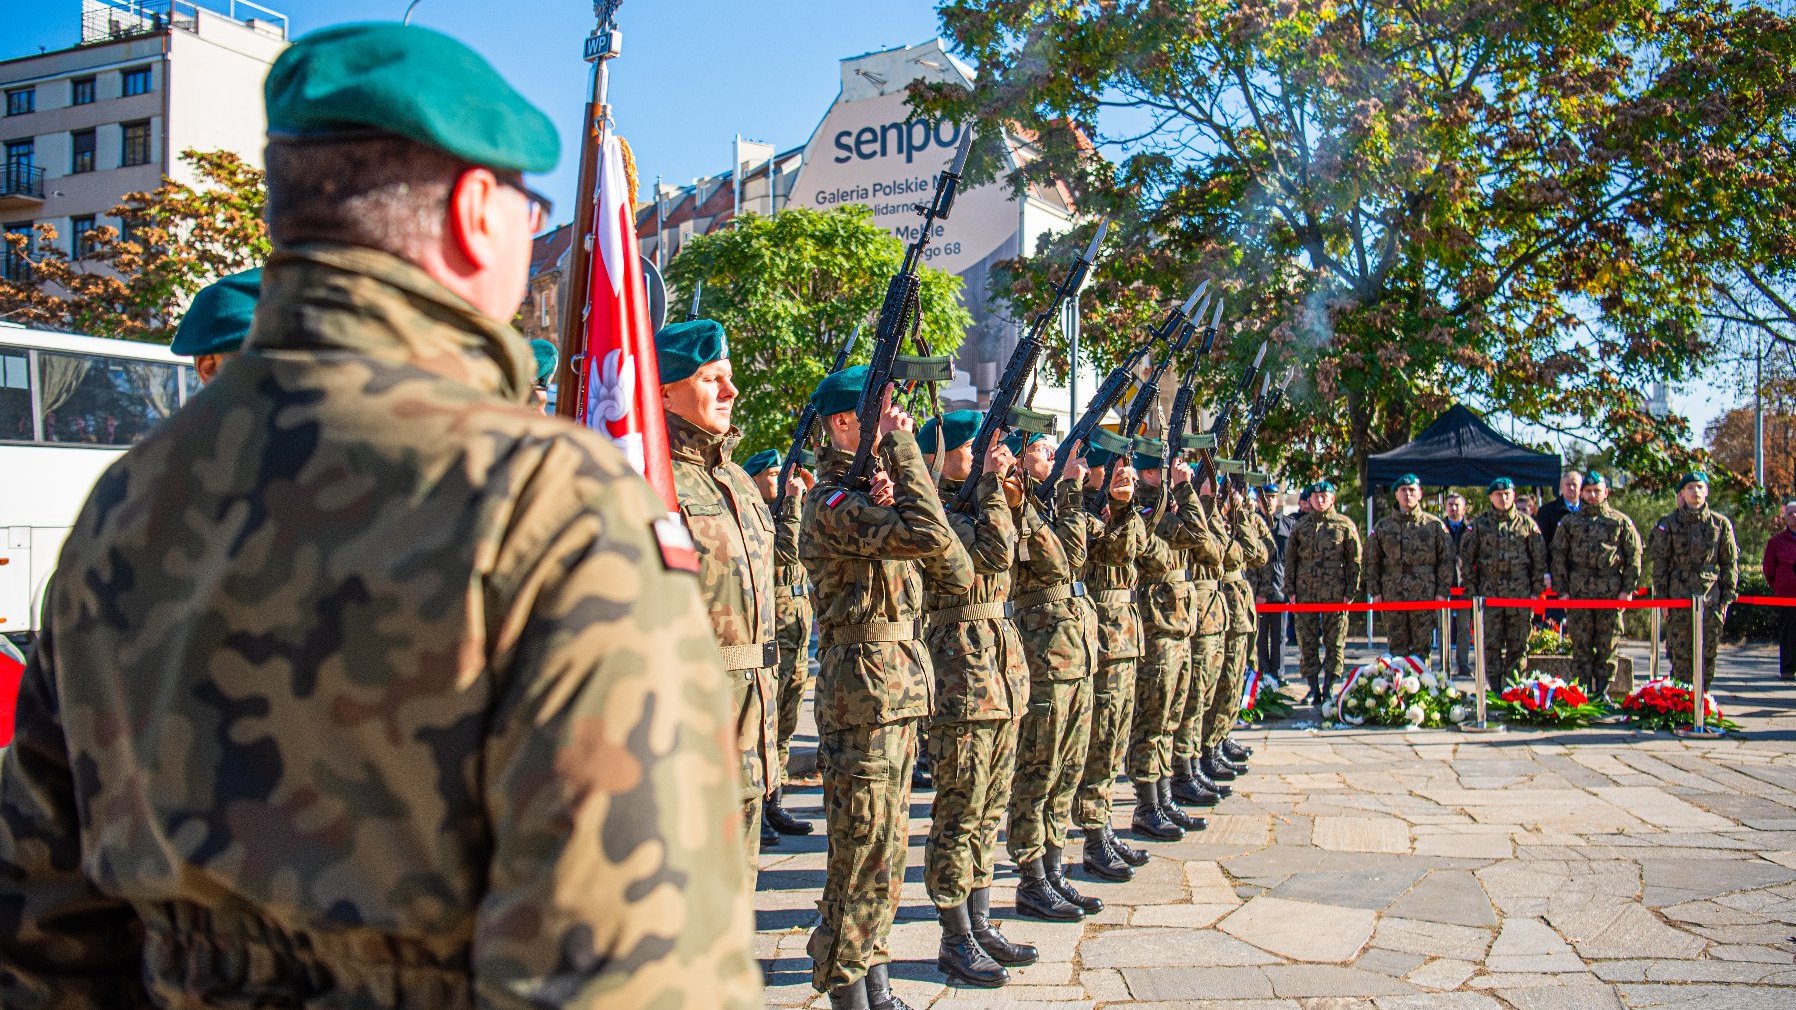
(868, 562)
(1252, 540)
(1694, 554)
(1322, 558)
(733, 532)
(1502, 554)
(980, 672)
(364, 684)
(1596, 554)
(1110, 574)
(788, 571)
(1410, 557)
(1171, 605)
(1060, 637)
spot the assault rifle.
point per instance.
(900, 315)
(1020, 369)
(1206, 467)
(1147, 394)
(1180, 418)
(1264, 404)
(1172, 328)
(807, 420)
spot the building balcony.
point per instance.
(21, 187)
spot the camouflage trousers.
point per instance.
(756, 696)
(972, 762)
(1200, 691)
(751, 836)
(1505, 643)
(1410, 632)
(1112, 704)
(1161, 682)
(1050, 758)
(1321, 646)
(1225, 701)
(1594, 634)
(792, 629)
(866, 806)
(1681, 637)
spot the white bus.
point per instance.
(69, 406)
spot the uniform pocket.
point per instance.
(866, 798)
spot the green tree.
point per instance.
(1525, 206)
(135, 286)
(789, 289)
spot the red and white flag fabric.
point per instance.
(623, 379)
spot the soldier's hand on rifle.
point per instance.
(881, 490)
(999, 459)
(1076, 467)
(893, 417)
(1181, 473)
(802, 481)
(1096, 478)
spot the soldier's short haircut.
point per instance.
(383, 192)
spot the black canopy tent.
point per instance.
(1459, 449)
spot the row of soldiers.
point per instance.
(1596, 554)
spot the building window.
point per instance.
(21, 101)
(22, 176)
(81, 91)
(15, 263)
(81, 238)
(136, 81)
(136, 149)
(82, 143)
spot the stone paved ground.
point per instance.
(1385, 870)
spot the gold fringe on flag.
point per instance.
(629, 169)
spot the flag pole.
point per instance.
(602, 46)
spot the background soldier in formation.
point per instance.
(1248, 544)
(1059, 630)
(1694, 554)
(1595, 556)
(1502, 554)
(733, 533)
(217, 321)
(791, 624)
(1409, 557)
(867, 551)
(981, 690)
(361, 558)
(1322, 560)
(1269, 582)
(1190, 709)
(1110, 576)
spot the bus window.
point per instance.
(15, 396)
(103, 401)
(190, 382)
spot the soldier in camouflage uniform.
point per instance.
(1173, 607)
(1110, 577)
(1322, 560)
(1059, 630)
(1410, 556)
(791, 621)
(868, 552)
(1595, 556)
(362, 683)
(1694, 554)
(733, 533)
(1248, 544)
(1502, 554)
(981, 690)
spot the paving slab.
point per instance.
(1449, 896)
(1301, 931)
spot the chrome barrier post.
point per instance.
(1658, 643)
(1445, 622)
(1698, 717)
(1480, 674)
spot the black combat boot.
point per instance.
(783, 822)
(1176, 814)
(852, 996)
(1101, 860)
(1188, 788)
(879, 990)
(1038, 899)
(1328, 693)
(1314, 697)
(769, 837)
(1221, 754)
(1213, 769)
(1056, 874)
(1236, 752)
(1124, 851)
(919, 773)
(991, 939)
(960, 957)
(1149, 820)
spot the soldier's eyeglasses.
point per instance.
(541, 207)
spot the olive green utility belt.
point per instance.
(1113, 597)
(1030, 601)
(967, 614)
(1172, 578)
(750, 657)
(872, 631)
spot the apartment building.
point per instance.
(110, 115)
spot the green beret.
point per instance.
(369, 78)
(1598, 479)
(219, 317)
(1322, 486)
(1308, 490)
(1098, 456)
(683, 347)
(1501, 484)
(1407, 480)
(839, 392)
(546, 358)
(959, 427)
(1150, 454)
(1693, 477)
(1020, 439)
(761, 461)
(1270, 487)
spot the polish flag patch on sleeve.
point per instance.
(678, 553)
(835, 498)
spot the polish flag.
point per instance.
(623, 379)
